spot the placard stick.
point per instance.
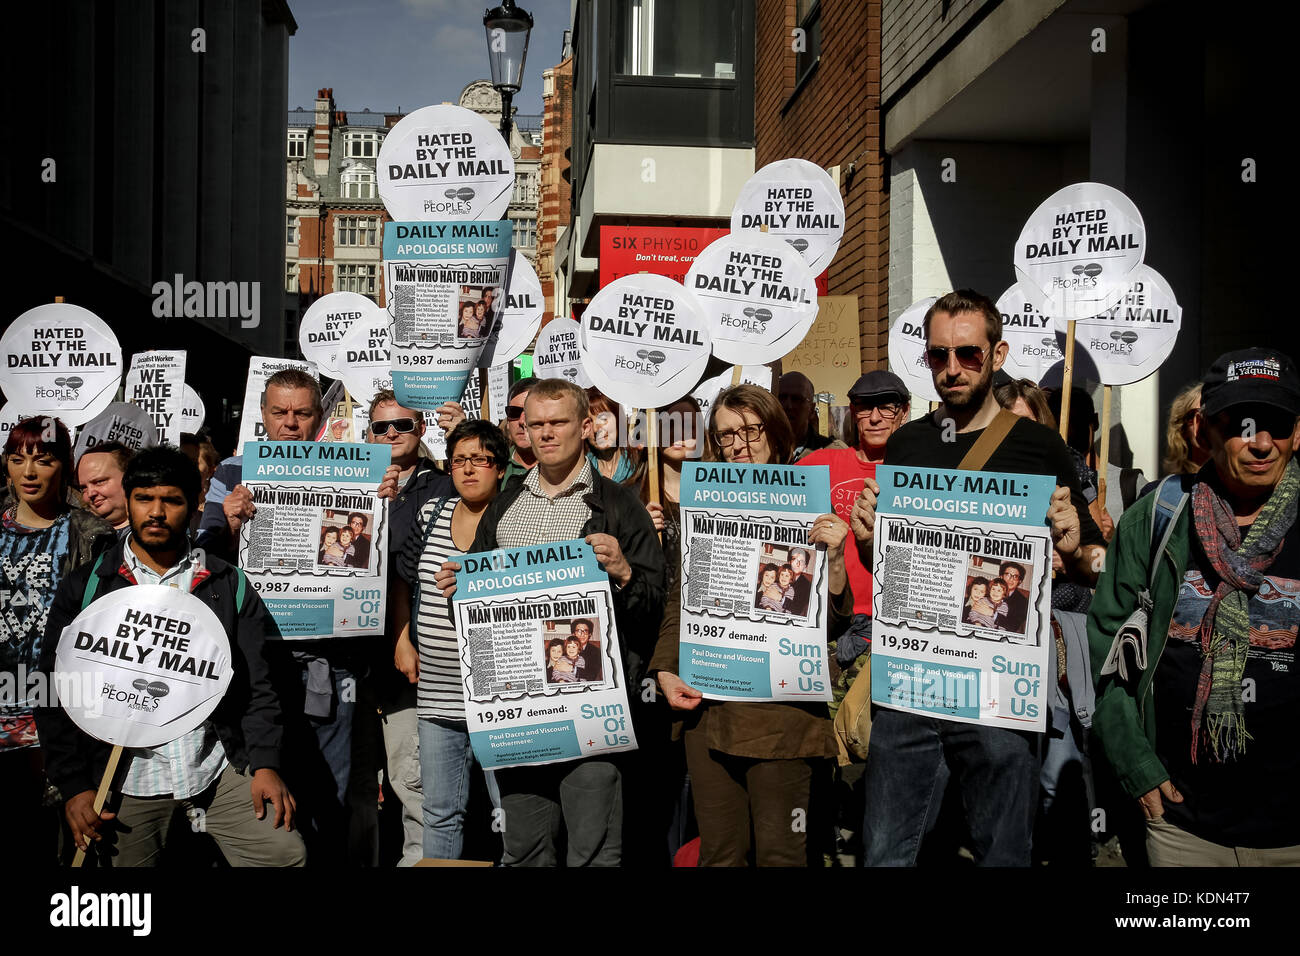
(58, 298)
(101, 794)
(652, 456)
(1067, 380)
(735, 375)
(483, 393)
(1105, 445)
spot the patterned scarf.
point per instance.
(1225, 629)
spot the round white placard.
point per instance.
(644, 340)
(519, 314)
(907, 350)
(1032, 343)
(193, 412)
(557, 353)
(445, 162)
(61, 360)
(1135, 336)
(798, 202)
(758, 294)
(142, 666)
(120, 421)
(1077, 250)
(324, 324)
(365, 363)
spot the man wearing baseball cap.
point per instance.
(879, 402)
(1201, 732)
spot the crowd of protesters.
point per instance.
(1175, 741)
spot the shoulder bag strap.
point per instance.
(989, 441)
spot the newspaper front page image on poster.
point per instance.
(541, 666)
(754, 590)
(962, 564)
(317, 548)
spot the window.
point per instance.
(525, 189)
(290, 230)
(809, 15)
(358, 183)
(525, 233)
(358, 145)
(297, 144)
(684, 38)
(357, 230)
(291, 276)
(354, 277)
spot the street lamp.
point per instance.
(507, 29)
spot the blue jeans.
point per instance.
(318, 765)
(446, 761)
(908, 765)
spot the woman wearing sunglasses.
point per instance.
(752, 764)
(426, 633)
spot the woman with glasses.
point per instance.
(426, 632)
(752, 764)
(615, 462)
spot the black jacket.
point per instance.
(248, 720)
(616, 511)
(426, 484)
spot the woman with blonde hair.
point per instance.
(1184, 454)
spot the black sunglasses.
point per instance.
(514, 412)
(402, 426)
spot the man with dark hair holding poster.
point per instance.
(215, 769)
(564, 498)
(995, 768)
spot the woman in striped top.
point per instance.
(426, 646)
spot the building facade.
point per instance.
(334, 218)
(663, 123)
(990, 107)
(554, 208)
(817, 97)
(152, 157)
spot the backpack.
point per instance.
(1128, 652)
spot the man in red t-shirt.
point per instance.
(880, 402)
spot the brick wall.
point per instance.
(554, 190)
(834, 120)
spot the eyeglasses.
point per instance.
(888, 411)
(968, 356)
(747, 434)
(403, 426)
(514, 412)
(478, 461)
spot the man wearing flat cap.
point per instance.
(879, 403)
(1201, 728)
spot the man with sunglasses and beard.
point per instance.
(911, 755)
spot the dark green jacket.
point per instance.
(1125, 719)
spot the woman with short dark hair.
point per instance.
(427, 651)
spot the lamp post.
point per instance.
(507, 28)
